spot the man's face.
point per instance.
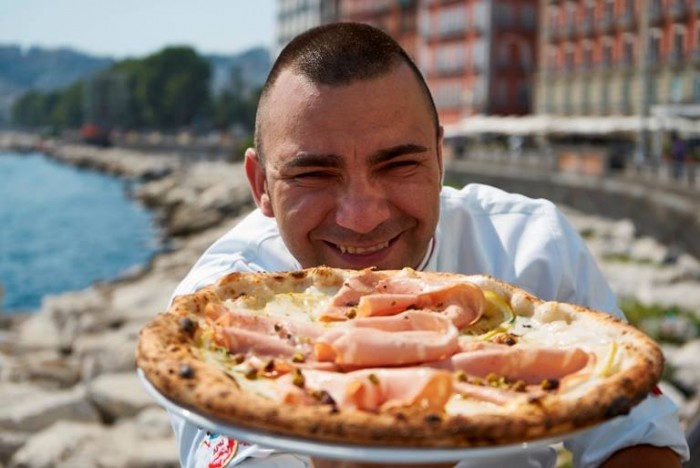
(352, 173)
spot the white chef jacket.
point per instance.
(481, 230)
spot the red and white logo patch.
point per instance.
(216, 451)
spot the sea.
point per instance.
(63, 228)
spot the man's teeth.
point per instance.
(362, 250)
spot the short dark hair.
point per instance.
(339, 54)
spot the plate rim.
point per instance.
(350, 452)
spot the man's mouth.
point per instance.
(351, 249)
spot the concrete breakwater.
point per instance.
(67, 382)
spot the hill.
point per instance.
(42, 69)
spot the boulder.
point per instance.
(10, 442)
(119, 396)
(63, 444)
(687, 366)
(43, 409)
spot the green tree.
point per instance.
(171, 87)
(68, 111)
(31, 110)
(236, 105)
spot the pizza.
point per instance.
(394, 358)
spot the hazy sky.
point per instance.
(121, 28)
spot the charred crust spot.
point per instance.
(432, 418)
(314, 428)
(298, 274)
(619, 406)
(324, 397)
(185, 371)
(278, 277)
(401, 417)
(549, 384)
(238, 358)
(187, 326)
(506, 339)
(298, 378)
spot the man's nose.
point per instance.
(362, 206)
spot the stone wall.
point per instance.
(670, 215)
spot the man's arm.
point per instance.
(642, 456)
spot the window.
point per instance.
(452, 20)
(608, 10)
(607, 53)
(552, 59)
(626, 92)
(529, 17)
(678, 40)
(628, 51)
(677, 89)
(569, 58)
(696, 89)
(654, 46)
(652, 89)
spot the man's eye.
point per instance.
(312, 175)
(401, 165)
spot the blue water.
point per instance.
(62, 228)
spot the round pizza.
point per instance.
(394, 358)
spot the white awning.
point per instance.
(560, 125)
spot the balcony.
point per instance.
(654, 13)
(675, 59)
(585, 28)
(677, 10)
(627, 21)
(605, 26)
(625, 65)
(454, 31)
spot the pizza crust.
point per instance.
(171, 359)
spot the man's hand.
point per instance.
(643, 456)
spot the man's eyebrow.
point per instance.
(313, 160)
(387, 154)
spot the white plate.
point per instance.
(350, 452)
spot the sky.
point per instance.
(135, 28)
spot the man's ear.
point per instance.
(255, 172)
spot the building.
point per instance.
(618, 57)
(478, 56)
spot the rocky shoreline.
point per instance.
(67, 376)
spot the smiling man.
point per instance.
(346, 172)
(351, 173)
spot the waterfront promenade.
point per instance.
(69, 370)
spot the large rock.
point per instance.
(64, 317)
(70, 445)
(64, 444)
(10, 442)
(119, 396)
(33, 414)
(687, 365)
(108, 352)
(47, 367)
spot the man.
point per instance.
(346, 172)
